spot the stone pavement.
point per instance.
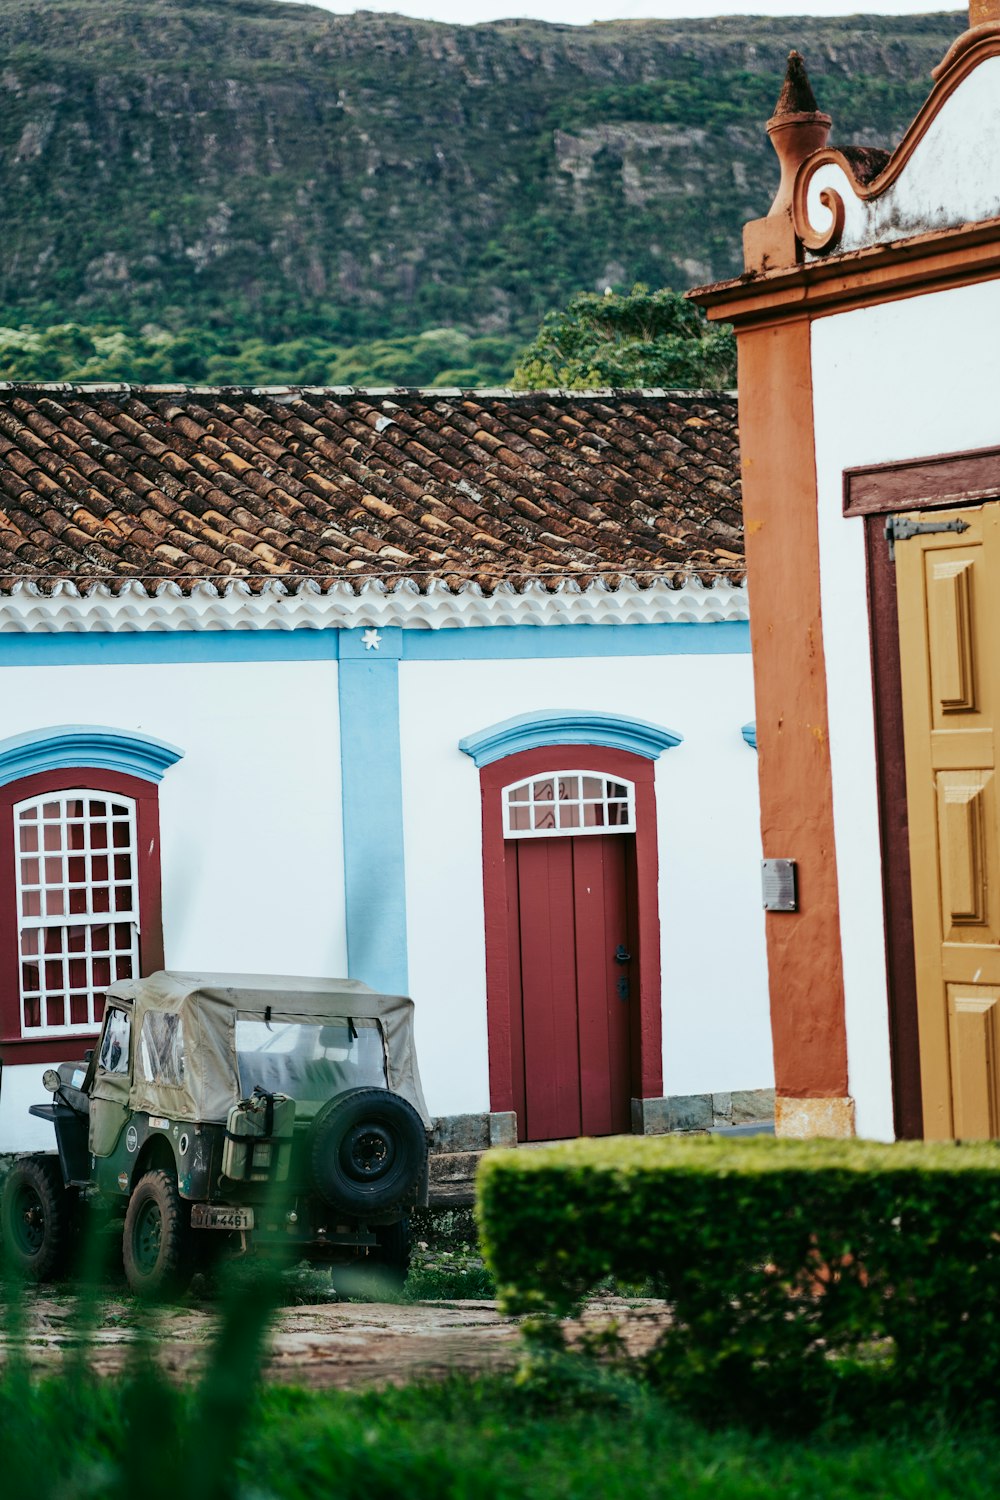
(342, 1345)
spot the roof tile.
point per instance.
(492, 487)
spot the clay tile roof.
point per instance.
(155, 483)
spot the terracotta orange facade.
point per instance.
(849, 233)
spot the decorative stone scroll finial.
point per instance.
(797, 128)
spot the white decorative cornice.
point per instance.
(941, 176)
(63, 606)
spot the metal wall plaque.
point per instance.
(778, 884)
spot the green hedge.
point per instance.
(804, 1276)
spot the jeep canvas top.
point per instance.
(205, 1040)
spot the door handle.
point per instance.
(622, 955)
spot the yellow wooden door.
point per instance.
(948, 590)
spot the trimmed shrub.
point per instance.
(804, 1277)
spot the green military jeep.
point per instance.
(221, 1114)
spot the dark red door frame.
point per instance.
(904, 1047)
(503, 1033)
(951, 480)
(15, 1048)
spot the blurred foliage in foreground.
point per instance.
(592, 1429)
(537, 1438)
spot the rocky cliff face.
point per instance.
(276, 168)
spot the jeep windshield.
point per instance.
(310, 1061)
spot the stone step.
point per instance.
(452, 1177)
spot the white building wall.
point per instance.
(902, 381)
(716, 1029)
(252, 856)
(20, 1087)
(250, 817)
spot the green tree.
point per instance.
(204, 355)
(628, 340)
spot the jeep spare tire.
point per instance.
(368, 1151)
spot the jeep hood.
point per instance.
(208, 1005)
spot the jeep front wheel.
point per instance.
(37, 1217)
(156, 1247)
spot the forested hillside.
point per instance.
(238, 169)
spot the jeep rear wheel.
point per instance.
(368, 1151)
(156, 1246)
(37, 1218)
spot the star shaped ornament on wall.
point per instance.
(372, 640)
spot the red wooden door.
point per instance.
(568, 913)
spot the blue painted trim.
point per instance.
(581, 727)
(111, 648)
(371, 779)
(453, 643)
(749, 733)
(511, 642)
(66, 746)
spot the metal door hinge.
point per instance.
(901, 528)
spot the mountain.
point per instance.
(281, 171)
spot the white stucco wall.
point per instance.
(950, 179)
(716, 1031)
(252, 857)
(20, 1087)
(250, 817)
(903, 381)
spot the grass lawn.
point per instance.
(571, 1430)
(605, 1437)
(493, 1439)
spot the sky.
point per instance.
(581, 12)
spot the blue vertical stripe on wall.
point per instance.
(371, 775)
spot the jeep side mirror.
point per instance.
(50, 1080)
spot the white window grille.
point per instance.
(77, 903)
(568, 803)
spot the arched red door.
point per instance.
(568, 918)
(572, 939)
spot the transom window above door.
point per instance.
(564, 803)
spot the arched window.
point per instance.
(77, 889)
(79, 902)
(79, 879)
(565, 803)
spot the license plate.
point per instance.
(208, 1216)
